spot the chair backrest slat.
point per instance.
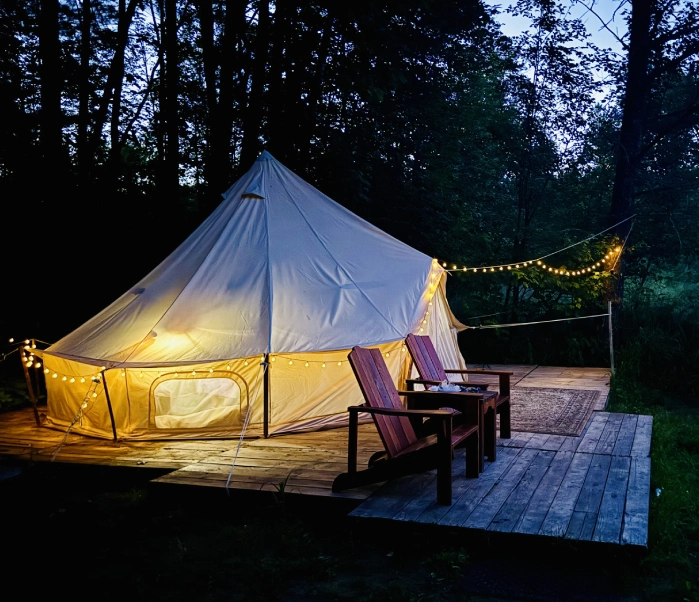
(379, 391)
(425, 357)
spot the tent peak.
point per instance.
(265, 156)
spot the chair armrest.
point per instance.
(395, 412)
(493, 372)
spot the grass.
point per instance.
(671, 568)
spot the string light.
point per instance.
(611, 255)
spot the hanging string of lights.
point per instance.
(539, 261)
(608, 260)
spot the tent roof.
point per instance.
(278, 267)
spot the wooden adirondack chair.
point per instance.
(406, 453)
(431, 372)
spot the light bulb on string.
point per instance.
(37, 365)
(72, 380)
(339, 363)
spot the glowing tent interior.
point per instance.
(280, 276)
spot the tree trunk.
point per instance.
(253, 116)
(169, 110)
(84, 158)
(51, 117)
(277, 119)
(628, 153)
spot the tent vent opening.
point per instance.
(251, 195)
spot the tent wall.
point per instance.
(301, 397)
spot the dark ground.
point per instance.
(106, 533)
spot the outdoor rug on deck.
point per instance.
(551, 411)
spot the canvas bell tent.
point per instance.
(251, 317)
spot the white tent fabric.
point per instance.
(277, 270)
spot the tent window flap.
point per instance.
(196, 403)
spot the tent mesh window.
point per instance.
(185, 402)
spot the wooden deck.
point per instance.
(584, 483)
(595, 487)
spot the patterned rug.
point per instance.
(552, 411)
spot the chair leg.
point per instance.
(473, 460)
(490, 443)
(504, 411)
(445, 452)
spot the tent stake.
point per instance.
(32, 397)
(109, 404)
(265, 398)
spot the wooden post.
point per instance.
(265, 397)
(30, 388)
(611, 337)
(109, 403)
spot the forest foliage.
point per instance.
(125, 120)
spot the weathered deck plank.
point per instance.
(561, 510)
(516, 503)
(611, 512)
(531, 520)
(635, 529)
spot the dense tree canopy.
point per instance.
(124, 120)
